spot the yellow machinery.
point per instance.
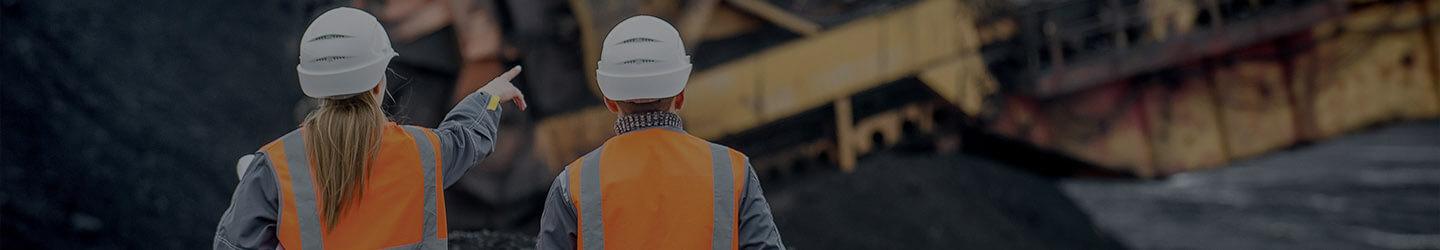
(1146, 87)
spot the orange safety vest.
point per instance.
(657, 189)
(403, 205)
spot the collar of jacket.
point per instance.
(661, 119)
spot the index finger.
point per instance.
(509, 74)
(520, 101)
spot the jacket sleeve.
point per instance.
(467, 135)
(757, 227)
(557, 222)
(250, 222)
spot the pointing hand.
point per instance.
(502, 88)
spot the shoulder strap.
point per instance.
(724, 196)
(592, 226)
(428, 153)
(296, 166)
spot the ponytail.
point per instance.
(343, 136)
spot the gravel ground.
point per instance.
(491, 240)
(1376, 189)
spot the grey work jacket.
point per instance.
(757, 227)
(467, 136)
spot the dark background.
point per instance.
(123, 119)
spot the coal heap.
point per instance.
(123, 119)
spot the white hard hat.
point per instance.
(642, 58)
(344, 52)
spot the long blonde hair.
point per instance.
(343, 135)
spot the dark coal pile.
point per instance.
(122, 120)
(1372, 190)
(897, 201)
(491, 240)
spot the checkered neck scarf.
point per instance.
(632, 122)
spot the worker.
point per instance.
(652, 185)
(348, 177)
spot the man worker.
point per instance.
(652, 185)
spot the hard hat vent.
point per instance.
(328, 37)
(330, 59)
(639, 61)
(638, 40)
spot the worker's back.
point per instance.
(653, 186)
(659, 188)
(400, 202)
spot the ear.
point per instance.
(679, 101)
(614, 108)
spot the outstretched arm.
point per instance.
(468, 133)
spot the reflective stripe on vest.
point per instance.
(300, 223)
(722, 193)
(593, 228)
(304, 192)
(591, 206)
(431, 238)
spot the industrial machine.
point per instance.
(1140, 87)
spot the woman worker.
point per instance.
(349, 178)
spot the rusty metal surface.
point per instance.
(1184, 128)
(1375, 52)
(1252, 99)
(1330, 78)
(1089, 72)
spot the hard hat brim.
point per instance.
(342, 82)
(634, 87)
